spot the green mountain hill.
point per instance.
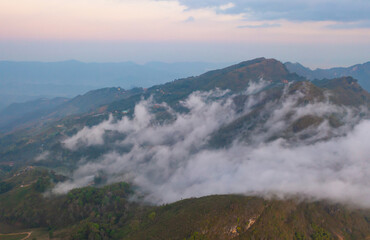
(252, 103)
(28, 114)
(235, 78)
(28, 110)
(95, 106)
(23, 81)
(107, 213)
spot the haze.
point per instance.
(309, 32)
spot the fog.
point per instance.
(174, 160)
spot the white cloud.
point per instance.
(42, 156)
(173, 161)
(226, 6)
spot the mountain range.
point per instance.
(22, 81)
(361, 72)
(250, 151)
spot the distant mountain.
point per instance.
(7, 99)
(70, 78)
(236, 77)
(19, 115)
(361, 72)
(17, 111)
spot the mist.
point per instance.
(173, 160)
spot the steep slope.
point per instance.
(358, 71)
(343, 92)
(240, 217)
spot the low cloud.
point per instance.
(174, 160)
(42, 156)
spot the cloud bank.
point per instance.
(294, 10)
(173, 160)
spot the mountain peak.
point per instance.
(238, 76)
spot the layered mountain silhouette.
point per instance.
(63, 161)
(235, 78)
(279, 86)
(361, 72)
(22, 81)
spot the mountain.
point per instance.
(19, 110)
(278, 86)
(251, 151)
(70, 78)
(235, 78)
(361, 72)
(108, 213)
(20, 115)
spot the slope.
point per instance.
(107, 213)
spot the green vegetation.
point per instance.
(298, 236)
(196, 236)
(42, 184)
(89, 230)
(5, 186)
(151, 216)
(320, 233)
(13, 236)
(106, 213)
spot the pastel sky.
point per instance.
(318, 33)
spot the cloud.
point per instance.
(295, 10)
(351, 25)
(42, 156)
(226, 6)
(174, 160)
(263, 25)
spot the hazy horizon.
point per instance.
(178, 62)
(314, 33)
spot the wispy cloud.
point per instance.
(349, 25)
(226, 6)
(296, 10)
(173, 161)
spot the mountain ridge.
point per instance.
(252, 128)
(361, 72)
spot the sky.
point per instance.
(316, 33)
